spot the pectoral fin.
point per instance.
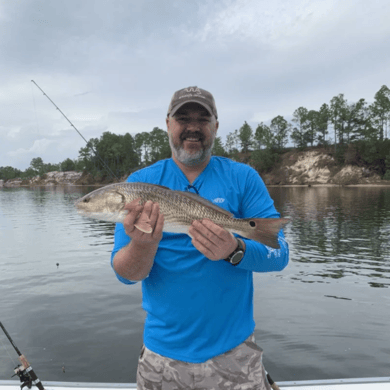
(143, 224)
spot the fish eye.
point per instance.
(252, 223)
(86, 200)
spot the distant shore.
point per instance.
(314, 168)
(383, 183)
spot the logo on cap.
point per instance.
(194, 90)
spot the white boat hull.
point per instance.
(332, 384)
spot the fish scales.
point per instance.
(175, 205)
(179, 208)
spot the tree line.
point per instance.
(354, 132)
(360, 133)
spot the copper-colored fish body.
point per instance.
(179, 208)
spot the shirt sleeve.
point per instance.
(256, 202)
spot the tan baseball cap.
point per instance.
(192, 95)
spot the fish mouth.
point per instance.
(81, 200)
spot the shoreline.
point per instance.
(332, 185)
(309, 185)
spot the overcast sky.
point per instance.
(113, 65)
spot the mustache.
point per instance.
(188, 134)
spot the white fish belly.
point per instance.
(173, 227)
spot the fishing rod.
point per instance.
(96, 153)
(25, 372)
(271, 381)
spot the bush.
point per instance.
(339, 155)
(351, 155)
(387, 175)
(374, 154)
(264, 160)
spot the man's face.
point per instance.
(192, 132)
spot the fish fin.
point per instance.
(204, 202)
(150, 185)
(265, 230)
(143, 224)
(158, 185)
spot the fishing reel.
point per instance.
(23, 375)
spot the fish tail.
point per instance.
(264, 230)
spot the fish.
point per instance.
(179, 208)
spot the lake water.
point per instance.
(325, 316)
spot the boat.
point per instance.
(382, 383)
(28, 378)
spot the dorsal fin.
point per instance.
(204, 202)
(192, 196)
(158, 185)
(151, 185)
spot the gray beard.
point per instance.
(190, 159)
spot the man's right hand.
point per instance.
(149, 211)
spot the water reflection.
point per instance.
(328, 306)
(347, 230)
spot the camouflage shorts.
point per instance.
(238, 369)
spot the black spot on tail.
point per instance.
(252, 223)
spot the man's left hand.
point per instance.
(212, 240)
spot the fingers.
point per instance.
(212, 240)
(154, 213)
(202, 247)
(158, 228)
(143, 221)
(208, 229)
(134, 209)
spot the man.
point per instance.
(198, 290)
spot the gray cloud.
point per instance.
(113, 66)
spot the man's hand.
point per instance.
(149, 211)
(212, 240)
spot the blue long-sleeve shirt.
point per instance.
(198, 308)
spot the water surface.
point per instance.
(325, 316)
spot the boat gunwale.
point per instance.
(323, 382)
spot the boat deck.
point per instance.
(333, 384)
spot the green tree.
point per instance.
(67, 165)
(280, 128)
(158, 145)
(87, 156)
(312, 121)
(117, 152)
(381, 111)
(374, 154)
(245, 136)
(264, 137)
(49, 167)
(300, 133)
(367, 130)
(7, 173)
(142, 145)
(29, 173)
(232, 142)
(37, 165)
(218, 149)
(79, 165)
(131, 159)
(338, 112)
(322, 120)
(354, 120)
